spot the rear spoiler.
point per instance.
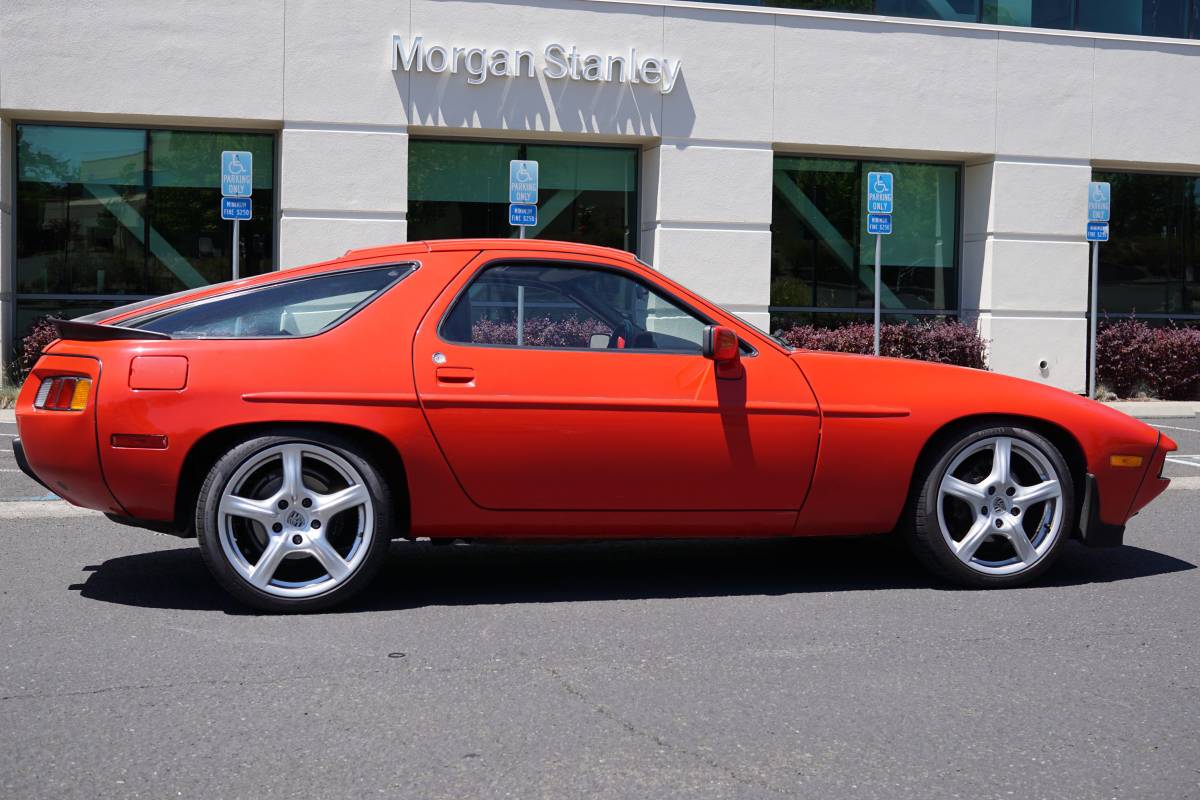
(93, 332)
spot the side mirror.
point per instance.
(599, 341)
(721, 345)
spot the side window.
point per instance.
(569, 307)
(300, 307)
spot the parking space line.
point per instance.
(1183, 460)
(1173, 428)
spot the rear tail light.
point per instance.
(63, 393)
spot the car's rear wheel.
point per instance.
(294, 522)
(992, 508)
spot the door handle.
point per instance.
(455, 376)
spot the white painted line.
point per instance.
(32, 509)
(1185, 463)
(1173, 428)
(9, 435)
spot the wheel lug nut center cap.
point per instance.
(295, 519)
(998, 506)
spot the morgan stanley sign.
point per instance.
(557, 62)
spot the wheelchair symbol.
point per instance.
(1098, 193)
(236, 167)
(881, 186)
(523, 173)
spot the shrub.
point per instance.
(1131, 357)
(539, 331)
(942, 342)
(41, 335)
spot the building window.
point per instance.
(1150, 268)
(105, 216)
(823, 259)
(585, 194)
(1172, 18)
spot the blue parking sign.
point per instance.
(879, 193)
(237, 208)
(1099, 202)
(522, 181)
(522, 214)
(1097, 232)
(237, 173)
(880, 224)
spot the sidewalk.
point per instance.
(7, 415)
(1156, 409)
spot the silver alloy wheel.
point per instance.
(296, 520)
(1016, 507)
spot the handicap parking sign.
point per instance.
(879, 192)
(237, 173)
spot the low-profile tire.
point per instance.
(992, 507)
(296, 521)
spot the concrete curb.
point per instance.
(1156, 409)
(8, 415)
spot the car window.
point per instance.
(301, 307)
(544, 305)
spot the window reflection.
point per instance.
(585, 194)
(823, 260)
(106, 215)
(1151, 264)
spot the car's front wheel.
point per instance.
(294, 522)
(992, 508)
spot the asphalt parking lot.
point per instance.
(809, 668)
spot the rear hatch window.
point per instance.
(295, 308)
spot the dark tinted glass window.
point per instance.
(293, 308)
(1145, 17)
(552, 306)
(823, 259)
(585, 194)
(957, 10)
(1030, 13)
(1151, 263)
(106, 215)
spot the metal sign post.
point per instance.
(1099, 212)
(237, 181)
(879, 223)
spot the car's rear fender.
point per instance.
(61, 446)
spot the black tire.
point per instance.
(209, 534)
(922, 527)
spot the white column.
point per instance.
(340, 188)
(343, 156)
(706, 221)
(1025, 266)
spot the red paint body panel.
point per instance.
(61, 445)
(552, 443)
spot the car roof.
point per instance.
(361, 258)
(450, 245)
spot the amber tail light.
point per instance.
(63, 393)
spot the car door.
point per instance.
(556, 385)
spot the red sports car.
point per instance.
(297, 422)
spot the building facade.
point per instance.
(726, 144)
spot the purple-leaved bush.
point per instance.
(40, 337)
(540, 331)
(942, 342)
(1164, 362)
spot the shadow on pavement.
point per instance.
(419, 574)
